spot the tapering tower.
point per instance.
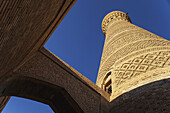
(132, 57)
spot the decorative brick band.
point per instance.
(112, 17)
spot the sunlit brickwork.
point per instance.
(132, 55)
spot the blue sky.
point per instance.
(79, 40)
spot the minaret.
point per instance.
(132, 57)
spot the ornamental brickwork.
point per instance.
(133, 76)
(131, 55)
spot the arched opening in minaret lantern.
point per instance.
(107, 83)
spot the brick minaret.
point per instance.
(132, 57)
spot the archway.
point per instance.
(56, 97)
(23, 105)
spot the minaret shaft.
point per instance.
(131, 57)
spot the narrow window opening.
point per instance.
(107, 83)
(108, 87)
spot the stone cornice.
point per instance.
(112, 17)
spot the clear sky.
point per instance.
(79, 40)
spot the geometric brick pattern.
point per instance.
(141, 65)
